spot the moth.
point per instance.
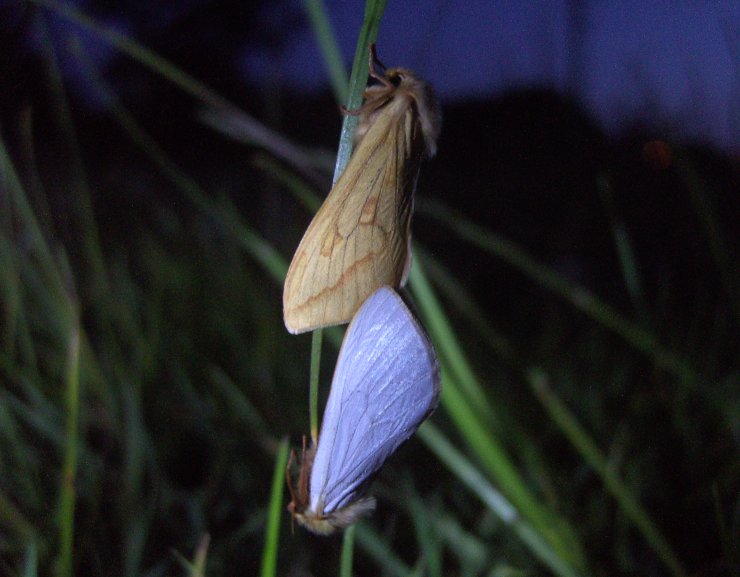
(386, 382)
(359, 240)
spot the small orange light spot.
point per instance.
(657, 154)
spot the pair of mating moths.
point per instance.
(353, 256)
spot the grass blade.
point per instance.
(374, 545)
(578, 296)
(313, 400)
(358, 79)
(495, 501)
(464, 403)
(275, 513)
(588, 449)
(69, 468)
(348, 548)
(329, 48)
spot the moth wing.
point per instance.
(385, 384)
(358, 241)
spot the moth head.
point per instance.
(317, 520)
(408, 85)
(404, 88)
(314, 520)
(327, 523)
(315, 523)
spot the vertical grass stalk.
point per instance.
(580, 298)
(464, 400)
(469, 474)
(313, 400)
(358, 79)
(330, 49)
(274, 513)
(588, 449)
(69, 469)
(348, 548)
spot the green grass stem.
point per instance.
(219, 112)
(465, 412)
(377, 548)
(460, 299)
(316, 10)
(196, 567)
(313, 401)
(449, 345)
(429, 542)
(304, 193)
(493, 499)
(591, 454)
(31, 561)
(623, 246)
(201, 557)
(89, 235)
(262, 251)
(582, 299)
(35, 237)
(275, 512)
(358, 80)
(69, 468)
(348, 549)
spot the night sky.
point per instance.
(675, 65)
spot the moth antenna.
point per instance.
(371, 67)
(376, 102)
(303, 475)
(344, 110)
(289, 482)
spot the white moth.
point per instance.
(385, 384)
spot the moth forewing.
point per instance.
(359, 240)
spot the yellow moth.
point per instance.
(359, 239)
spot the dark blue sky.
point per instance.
(672, 64)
